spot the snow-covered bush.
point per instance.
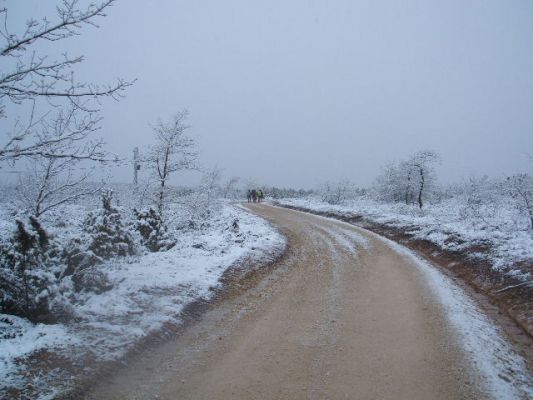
(82, 266)
(521, 190)
(389, 186)
(30, 270)
(336, 193)
(109, 236)
(202, 205)
(154, 234)
(197, 212)
(480, 199)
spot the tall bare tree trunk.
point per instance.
(407, 189)
(161, 198)
(421, 189)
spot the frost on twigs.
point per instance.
(109, 237)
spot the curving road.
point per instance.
(344, 315)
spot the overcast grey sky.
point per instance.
(293, 93)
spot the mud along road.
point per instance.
(345, 314)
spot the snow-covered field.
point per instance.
(148, 291)
(451, 225)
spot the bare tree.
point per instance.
(420, 168)
(230, 186)
(50, 182)
(210, 185)
(52, 178)
(407, 180)
(47, 88)
(174, 151)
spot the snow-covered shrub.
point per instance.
(521, 190)
(390, 186)
(336, 193)
(82, 266)
(30, 269)
(109, 236)
(199, 209)
(153, 232)
(480, 200)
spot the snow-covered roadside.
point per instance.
(509, 249)
(149, 291)
(502, 370)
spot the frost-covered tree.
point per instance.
(210, 186)
(109, 236)
(44, 89)
(229, 188)
(51, 182)
(30, 269)
(409, 180)
(174, 151)
(480, 199)
(420, 169)
(392, 184)
(520, 187)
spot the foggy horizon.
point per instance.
(295, 94)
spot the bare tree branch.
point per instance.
(35, 79)
(50, 182)
(71, 19)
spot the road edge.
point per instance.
(466, 273)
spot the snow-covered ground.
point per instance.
(149, 290)
(450, 225)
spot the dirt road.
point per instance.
(342, 316)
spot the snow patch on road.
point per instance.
(342, 240)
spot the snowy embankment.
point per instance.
(502, 242)
(148, 291)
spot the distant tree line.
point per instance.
(413, 182)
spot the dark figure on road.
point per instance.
(249, 195)
(254, 195)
